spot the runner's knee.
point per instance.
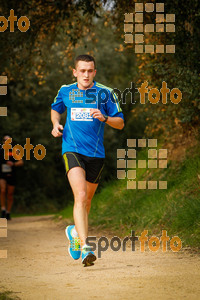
(81, 198)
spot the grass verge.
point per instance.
(176, 209)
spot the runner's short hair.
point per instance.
(84, 57)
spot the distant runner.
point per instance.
(7, 180)
(89, 106)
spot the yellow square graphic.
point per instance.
(128, 38)
(131, 164)
(128, 27)
(142, 185)
(3, 79)
(162, 185)
(141, 142)
(3, 253)
(162, 153)
(142, 164)
(139, 38)
(149, 7)
(159, 18)
(160, 28)
(139, 48)
(128, 17)
(160, 49)
(170, 28)
(3, 111)
(152, 164)
(152, 153)
(131, 142)
(162, 164)
(138, 27)
(149, 48)
(3, 222)
(3, 232)
(159, 7)
(121, 163)
(121, 174)
(121, 153)
(3, 90)
(131, 153)
(138, 7)
(152, 142)
(170, 17)
(149, 28)
(152, 185)
(170, 48)
(139, 18)
(131, 174)
(131, 185)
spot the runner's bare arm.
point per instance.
(115, 122)
(55, 119)
(18, 163)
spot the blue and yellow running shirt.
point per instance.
(82, 133)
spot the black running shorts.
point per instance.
(93, 166)
(10, 179)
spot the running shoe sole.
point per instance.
(88, 260)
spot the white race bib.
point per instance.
(6, 168)
(81, 114)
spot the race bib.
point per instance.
(81, 114)
(6, 168)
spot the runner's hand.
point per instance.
(10, 163)
(56, 130)
(96, 113)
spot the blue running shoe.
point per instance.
(88, 257)
(74, 246)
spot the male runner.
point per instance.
(7, 180)
(89, 106)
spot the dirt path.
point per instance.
(39, 267)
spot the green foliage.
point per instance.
(176, 209)
(8, 296)
(39, 61)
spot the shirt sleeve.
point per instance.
(58, 104)
(113, 108)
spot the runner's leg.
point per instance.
(3, 193)
(91, 189)
(78, 184)
(10, 193)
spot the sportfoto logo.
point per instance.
(3, 234)
(153, 95)
(18, 150)
(3, 92)
(164, 23)
(126, 159)
(23, 22)
(153, 243)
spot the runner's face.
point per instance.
(84, 72)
